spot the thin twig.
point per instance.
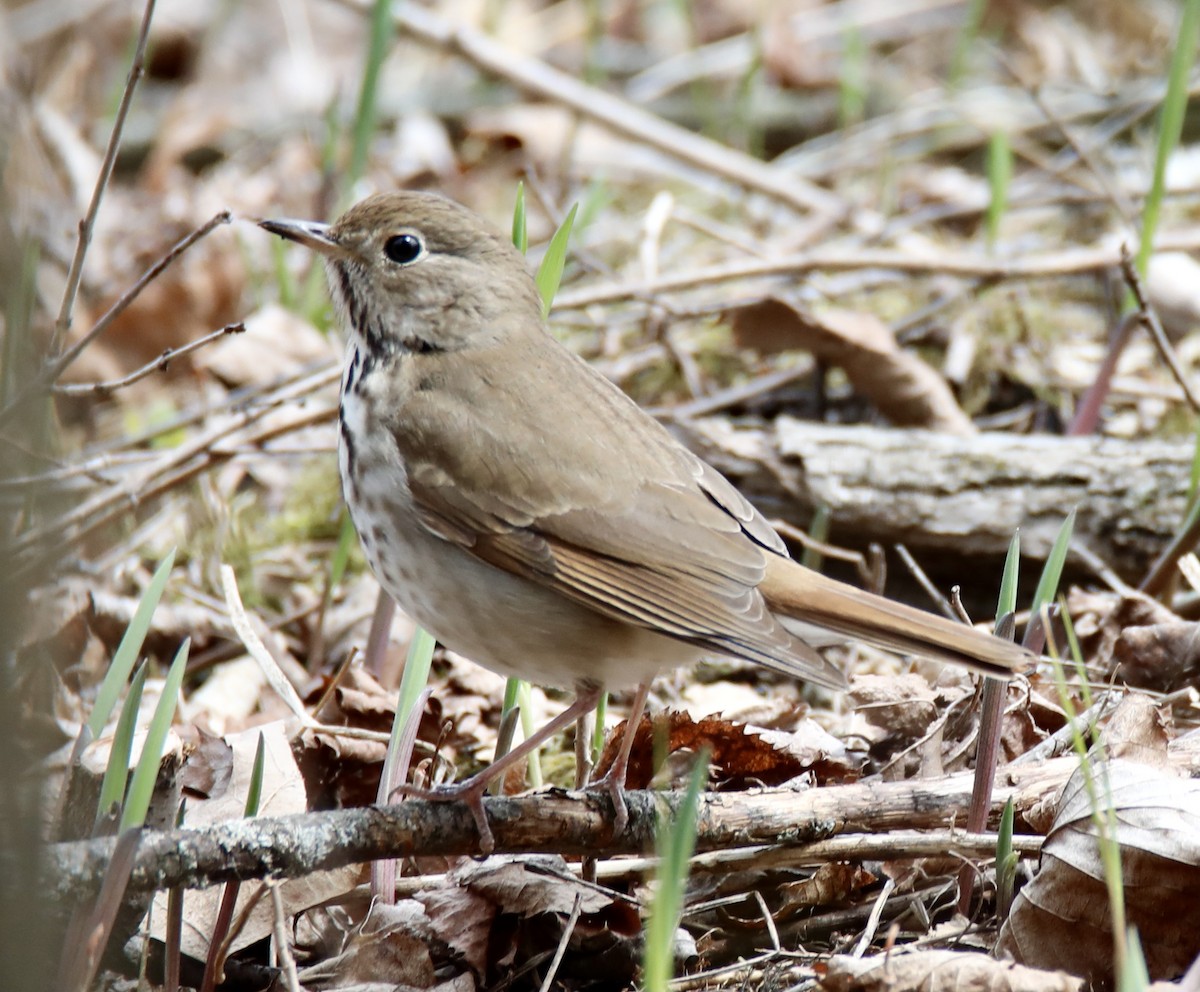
(1069, 262)
(60, 364)
(88, 223)
(158, 365)
(925, 582)
(621, 116)
(51, 373)
(1150, 318)
(282, 946)
(569, 929)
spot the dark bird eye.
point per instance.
(402, 248)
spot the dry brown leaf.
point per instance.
(1163, 657)
(829, 885)
(1061, 919)
(935, 971)
(463, 919)
(903, 704)
(906, 390)
(739, 758)
(282, 793)
(390, 950)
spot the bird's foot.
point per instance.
(614, 785)
(471, 791)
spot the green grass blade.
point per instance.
(1047, 586)
(965, 42)
(1006, 862)
(549, 274)
(365, 114)
(520, 232)
(130, 647)
(341, 552)
(1170, 125)
(416, 672)
(676, 842)
(999, 175)
(1007, 602)
(141, 788)
(116, 773)
(598, 729)
(254, 793)
(1194, 473)
(1134, 976)
(818, 530)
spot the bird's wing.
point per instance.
(625, 521)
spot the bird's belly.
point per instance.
(501, 621)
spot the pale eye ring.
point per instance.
(403, 248)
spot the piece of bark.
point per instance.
(938, 493)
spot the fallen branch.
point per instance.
(554, 822)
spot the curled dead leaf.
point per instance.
(906, 390)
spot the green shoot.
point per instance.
(965, 42)
(254, 793)
(1007, 602)
(520, 233)
(818, 530)
(1170, 126)
(129, 648)
(1193, 475)
(141, 787)
(999, 175)
(549, 274)
(598, 730)
(852, 80)
(341, 553)
(364, 117)
(675, 842)
(1134, 976)
(116, 772)
(1104, 816)
(1006, 862)
(1052, 572)
(525, 701)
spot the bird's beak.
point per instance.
(309, 233)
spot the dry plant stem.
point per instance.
(1074, 261)
(282, 946)
(60, 364)
(548, 981)
(991, 706)
(987, 756)
(91, 924)
(543, 80)
(174, 940)
(1150, 319)
(553, 822)
(214, 965)
(1102, 175)
(923, 580)
(375, 654)
(1087, 414)
(869, 931)
(1163, 569)
(183, 463)
(88, 223)
(158, 365)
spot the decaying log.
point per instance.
(939, 493)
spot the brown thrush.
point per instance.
(529, 515)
